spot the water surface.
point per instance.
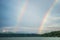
(29, 38)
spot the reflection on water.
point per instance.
(29, 38)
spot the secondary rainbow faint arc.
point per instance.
(20, 15)
(46, 16)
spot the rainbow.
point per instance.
(46, 17)
(20, 15)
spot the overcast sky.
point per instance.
(32, 18)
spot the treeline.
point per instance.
(51, 34)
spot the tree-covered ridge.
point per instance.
(51, 34)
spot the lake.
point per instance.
(29, 38)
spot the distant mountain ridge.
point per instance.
(51, 34)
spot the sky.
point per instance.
(28, 16)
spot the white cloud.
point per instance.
(20, 29)
(54, 18)
(50, 29)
